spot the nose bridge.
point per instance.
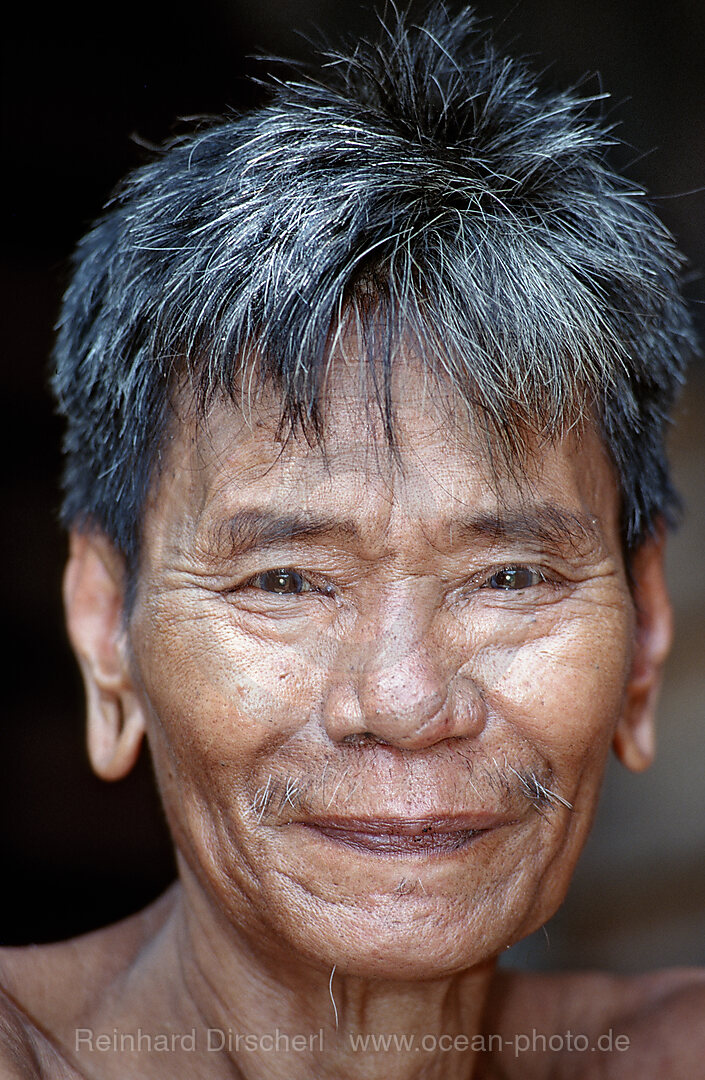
(402, 678)
(399, 678)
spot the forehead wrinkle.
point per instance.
(545, 524)
(530, 522)
(354, 451)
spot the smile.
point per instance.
(423, 837)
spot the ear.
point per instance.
(94, 598)
(634, 740)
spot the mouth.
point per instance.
(419, 838)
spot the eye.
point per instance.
(514, 578)
(283, 582)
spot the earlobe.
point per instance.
(635, 743)
(634, 739)
(93, 597)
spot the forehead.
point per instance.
(443, 465)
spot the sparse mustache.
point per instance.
(290, 794)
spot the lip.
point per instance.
(408, 836)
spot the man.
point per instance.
(365, 396)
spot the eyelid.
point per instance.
(511, 568)
(480, 579)
(319, 588)
(483, 579)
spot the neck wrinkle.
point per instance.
(244, 995)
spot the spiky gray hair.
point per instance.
(425, 183)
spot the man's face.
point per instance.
(374, 688)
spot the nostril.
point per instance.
(363, 738)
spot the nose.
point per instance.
(403, 688)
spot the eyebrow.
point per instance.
(258, 529)
(545, 524)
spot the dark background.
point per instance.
(83, 88)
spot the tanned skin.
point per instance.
(379, 694)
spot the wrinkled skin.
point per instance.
(403, 685)
(379, 693)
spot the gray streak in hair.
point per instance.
(425, 190)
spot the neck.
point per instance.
(264, 1015)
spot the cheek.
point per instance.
(222, 706)
(214, 687)
(223, 709)
(562, 692)
(561, 680)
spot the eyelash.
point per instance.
(327, 590)
(512, 568)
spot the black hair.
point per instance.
(424, 176)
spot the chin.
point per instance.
(405, 939)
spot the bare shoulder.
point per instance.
(61, 977)
(663, 1016)
(595, 1024)
(26, 1052)
(45, 988)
